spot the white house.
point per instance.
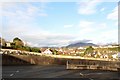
(47, 51)
(114, 56)
(81, 48)
(8, 44)
(60, 50)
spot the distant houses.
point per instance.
(103, 51)
(114, 56)
(98, 52)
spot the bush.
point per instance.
(88, 50)
(35, 50)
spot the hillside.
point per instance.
(81, 44)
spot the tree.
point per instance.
(119, 49)
(55, 52)
(34, 49)
(2, 42)
(13, 45)
(27, 48)
(18, 42)
(88, 50)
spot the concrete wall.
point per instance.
(93, 64)
(72, 64)
(30, 60)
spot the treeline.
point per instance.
(115, 49)
(18, 45)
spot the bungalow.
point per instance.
(47, 51)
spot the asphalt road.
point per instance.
(55, 71)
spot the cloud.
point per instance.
(43, 14)
(37, 36)
(107, 37)
(34, 35)
(68, 26)
(114, 14)
(79, 41)
(52, 0)
(50, 39)
(25, 1)
(88, 7)
(102, 9)
(85, 27)
(91, 24)
(96, 32)
(17, 19)
(23, 10)
(85, 24)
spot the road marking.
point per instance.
(81, 74)
(11, 74)
(91, 79)
(17, 71)
(94, 74)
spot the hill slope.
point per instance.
(81, 44)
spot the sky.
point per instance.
(42, 23)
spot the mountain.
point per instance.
(81, 44)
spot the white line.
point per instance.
(17, 71)
(11, 74)
(81, 74)
(91, 79)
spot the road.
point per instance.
(55, 71)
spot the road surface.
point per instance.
(55, 71)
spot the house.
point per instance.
(105, 56)
(60, 50)
(114, 56)
(8, 44)
(60, 53)
(42, 49)
(81, 48)
(47, 51)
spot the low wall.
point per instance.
(93, 64)
(45, 60)
(31, 60)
